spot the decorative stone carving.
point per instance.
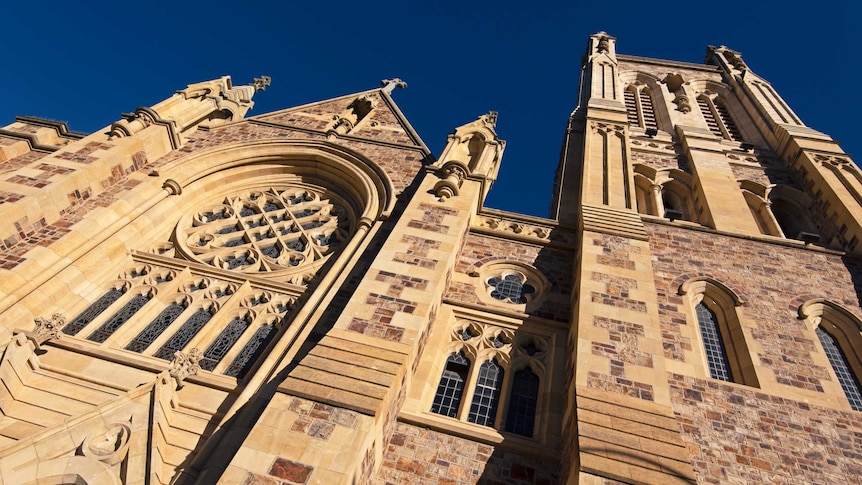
(47, 329)
(173, 187)
(109, 446)
(599, 126)
(260, 83)
(490, 119)
(512, 227)
(453, 174)
(604, 44)
(675, 82)
(355, 112)
(831, 160)
(389, 85)
(185, 365)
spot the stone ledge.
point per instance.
(613, 221)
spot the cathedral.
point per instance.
(196, 295)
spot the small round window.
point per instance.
(511, 287)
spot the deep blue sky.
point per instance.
(86, 62)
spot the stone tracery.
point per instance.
(280, 230)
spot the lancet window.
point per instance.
(723, 344)
(222, 344)
(717, 118)
(121, 317)
(475, 390)
(840, 336)
(639, 106)
(447, 399)
(841, 366)
(155, 328)
(713, 343)
(185, 320)
(93, 311)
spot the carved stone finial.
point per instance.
(185, 365)
(675, 84)
(389, 85)
(173, 187)
(490, 118)
(260, 83)
(452, 176)
(604, 44)
(46, 329)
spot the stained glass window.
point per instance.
(510, 288)
(250, 353)
(447, 400)
(184, 335)
(271, 230)
(842, 368)
(713, 344)
(108, 328)
(93, 311)
(483, 410)
(155, 328)
(521, 416)
(222, 344)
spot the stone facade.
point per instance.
(310, 296)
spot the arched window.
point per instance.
(725, 351)
(713, 343)
(222, 344)
(676, 196)
(252, 350)
(842, 368)
(486, 397)
(108, 328)
(93, 311)
(155, 328)
(523, 401)
(789, 206)
(447, 399)
(717, 118)
(184, 335)
(840, 336)
(639, 106)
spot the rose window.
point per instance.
(510, 288)
(280, 230)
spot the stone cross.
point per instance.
(260, 83)
(389, 85)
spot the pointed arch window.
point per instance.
(250, 353)
(713, 343)
(639, 106)
(840, 336)
(717, 118)
(486, 397)
(523, 402)
(790, 208)
(842, 368)
(447, 399)
(155, 328)
(726, 355)
(128, 311)
(93, 311)
(184, 335)
(223, 343)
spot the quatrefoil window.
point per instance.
(511, 287)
